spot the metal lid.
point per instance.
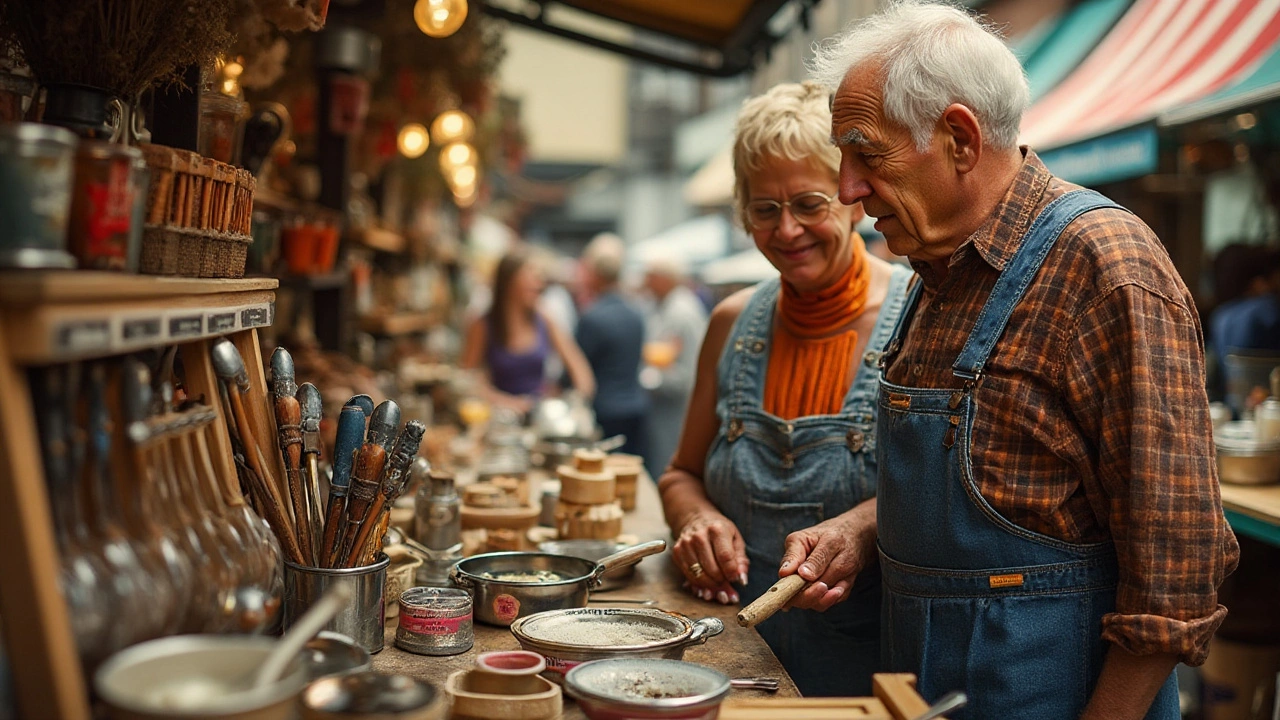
(102, 150)
(37, 133)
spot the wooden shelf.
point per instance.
(401, 323)
(1253, 510)
(56, 316)
(384, 240)
(73, 315)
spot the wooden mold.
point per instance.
(586, 488)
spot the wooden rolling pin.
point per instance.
(763, 607)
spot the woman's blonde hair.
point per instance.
(790, 121)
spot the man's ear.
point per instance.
(963, 136)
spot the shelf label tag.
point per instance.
(186, 326)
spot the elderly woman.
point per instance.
(775, 471)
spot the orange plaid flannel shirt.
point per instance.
(1092, 422)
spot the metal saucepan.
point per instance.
(500, 602)
(593, 550)
(557, 451)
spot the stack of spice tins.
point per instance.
(588, 508)
(626, 473)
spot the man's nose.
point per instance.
(853, 183)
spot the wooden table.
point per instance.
(737, 652)
(1253, 510)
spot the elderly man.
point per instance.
(674, 332)
(1050, 531)
(611, 335)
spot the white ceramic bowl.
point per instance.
(185, 676)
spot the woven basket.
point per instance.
(190, 252)
(199, 215)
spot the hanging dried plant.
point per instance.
(124, 46)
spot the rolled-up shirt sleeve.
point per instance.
(1134, 380)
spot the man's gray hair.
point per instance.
(604, 256)
(931, 55)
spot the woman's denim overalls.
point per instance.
(772, 477)
(971, 601)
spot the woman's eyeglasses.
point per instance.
(808, 209)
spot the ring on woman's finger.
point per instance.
(696, 569)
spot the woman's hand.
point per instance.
(710, 542)
(830, 555)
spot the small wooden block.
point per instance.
(588, 522)
(589, 461)
(584, 488)
(484, 495)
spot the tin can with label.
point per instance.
(435, 621)
(102, 205)
(36, 163)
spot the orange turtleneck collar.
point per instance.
(810, 357)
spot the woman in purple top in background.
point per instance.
(513, 340)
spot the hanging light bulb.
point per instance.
(456, 155)
(413, 140)
(452, 126)
(464, 177)
(439, 18)
(466, 199)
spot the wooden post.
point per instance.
(202, 381)
(898, 693)
(47, 679)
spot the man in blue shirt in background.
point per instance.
(611, 335)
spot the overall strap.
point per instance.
(741, 360)
(1017, 276)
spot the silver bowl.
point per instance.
(647, 688)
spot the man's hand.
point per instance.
(830, 555)
(1128, 684)
(711, 543)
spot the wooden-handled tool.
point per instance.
(312, 409)
(367, 474)
(351, 424)
(395, 474)
(289, 437)
(230, 369)
(763, 607)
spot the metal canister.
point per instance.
(435, 621)
(437, 512)
(36, 163)
(102, 205)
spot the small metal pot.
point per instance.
(646, 688)
(1243, 459)
(499, 602)
(671, 633)
(594, 550)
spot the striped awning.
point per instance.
(1161, 55)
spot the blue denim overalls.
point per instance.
(971, 601)
(772, 477)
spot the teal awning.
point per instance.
(1108, 158)
(1052, 50)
